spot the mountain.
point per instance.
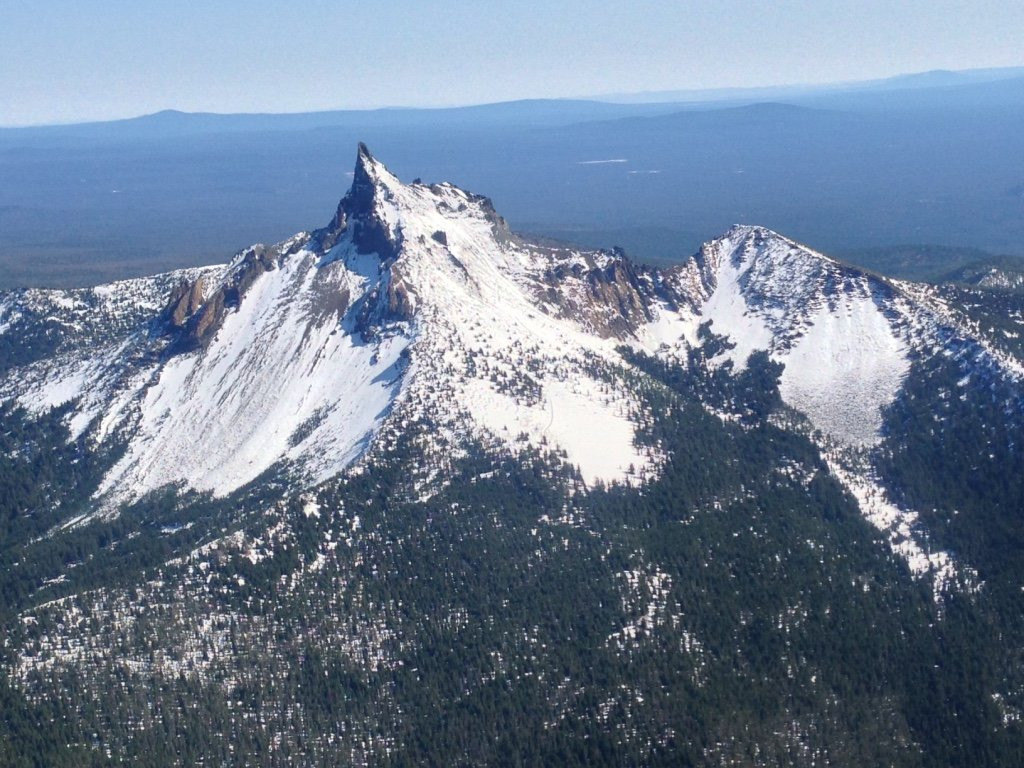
(938, 78)
(411, 487)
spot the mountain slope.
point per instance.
(416, 304)
(444, 256)
(298, 352)
(366, 492)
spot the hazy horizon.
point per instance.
(66, 62)
(710, 94)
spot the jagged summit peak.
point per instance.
(378, 208)
(369, 171)
(372, 184)
(368, 177)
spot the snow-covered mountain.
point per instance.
(415, 302)
(314, 501)
(416, 305)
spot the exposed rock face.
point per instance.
(196, 320)
(206, 321)
(619, 287)
(606, 292)
(401, 299)
(364, 212)
(185, 301)
(499, 227)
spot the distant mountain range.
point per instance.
(936, 78)
(933, 159)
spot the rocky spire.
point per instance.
(364, 179)
(360, 209)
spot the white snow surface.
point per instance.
(100, 324)
(592, 427)
(668, 330)
(485, 350)
(845, 368)
(216, 419)
(727, 307)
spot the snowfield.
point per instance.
(845, 368)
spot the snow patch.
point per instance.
(729, 314)
(669, 329)
(844, 369)
(900, 526)
(588, 424)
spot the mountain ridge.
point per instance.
(757, 270)
(421, 298)
(409, 485)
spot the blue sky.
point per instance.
(64, 60)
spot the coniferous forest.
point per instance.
(738, 610)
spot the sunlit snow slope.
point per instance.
(416, 304)
(415, 300)
(845, 336)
